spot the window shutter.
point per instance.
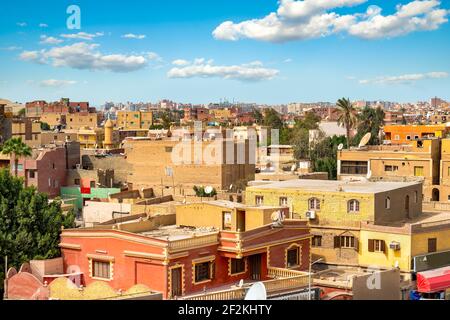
(337, 241)
(371, 245)
(383, 245)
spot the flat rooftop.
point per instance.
(173, 233)
(333, 186)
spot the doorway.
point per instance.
(255, 267)
(435, 195)
(407, 206)
(176, 282)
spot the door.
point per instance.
(255, 267)
(176, 283)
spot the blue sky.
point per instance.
(269, 52)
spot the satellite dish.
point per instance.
(341, 146)
(208, 190)
(231, 186)
(275, 216)
(365, 140)
(256, 292)
(241, 283)
(294, 167)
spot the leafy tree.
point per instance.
(257, 115)
(200, 192)
(347, 117)
(166, 120)
(370, 120)
(16, 147)
(272, 119)
(22, 113)
(45, 126)
(29, 225)
(323, 155)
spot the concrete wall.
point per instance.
(384, 285)
(98, 212)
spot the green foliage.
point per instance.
(45, 126)
(200, 192)
(272, 119)
(22, 112)
(323, 155)
(347, 117)
(299, 135)
(166, 119)
(257, 115)
(370, 120)
(16, 147)
(29, 225)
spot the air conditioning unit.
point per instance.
(311, 215)
(394, 246)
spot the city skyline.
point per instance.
(271, 53)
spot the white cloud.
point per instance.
(134, 36)
(21, 24)
(206, 69)
(288, 60)
(405, 78)
(56, 83)
(86, 56)
(82, 35)
(43, 25)
(153, 56)
(50, 40)
(307, 19)
(180, 62)
(11, 48)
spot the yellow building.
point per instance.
(134, 119)
(417, 161)
(53, 119)
(221, 114)
(26, 129)
(225, 215)
(336, 210)
(396, 245)
(79, 120)
(90, 138)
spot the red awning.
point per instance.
(433, 280)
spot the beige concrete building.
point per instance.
(181, 165)
(80, 120)
(134, 119)
(417, 161)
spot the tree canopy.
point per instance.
(17, 148)
(29, 225)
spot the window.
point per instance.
(347, 242)
(293, 257)
(418, 171)
(283, 201)
(92, 184)
(237, 266)
(353, 167)
(416, 196)
(314, 204)
(390, 168)
(377, 245)
(53, 165)
(317, 241)
(226, 220)
(169, 149)
(76, 182)
(387, 203)
(32, 174)
(203, 271)
(408, 137)
(259, 200)
(416, 137)
(101, 269)
(353, 206)
(432, 245)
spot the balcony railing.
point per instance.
(193, 242)
(287, 280)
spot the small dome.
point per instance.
(109, 124)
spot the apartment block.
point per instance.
(134, 119)
(404, 134)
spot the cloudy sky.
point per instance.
(264, 51)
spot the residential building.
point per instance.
(77, 121)
(404, 134)
(180, 260)
(129, 120)
(90, 138)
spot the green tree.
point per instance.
(323, 155)
(29, 225)
(346, 116)
(257, 115)
(370, 121)
(200, 192)
(22, 113)
(272, 119)
(166, 120)
(17, 148)
(45, 126)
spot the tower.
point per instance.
(108, 141)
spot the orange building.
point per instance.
(403, 134)
(181, 260)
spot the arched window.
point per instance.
(387, 203)
(314, 204)
(353, 206)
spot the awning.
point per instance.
(433, 280)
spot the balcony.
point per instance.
(285, 280)
(183, 244)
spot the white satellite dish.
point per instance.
(231, 186)
(256, 292)
(241, 283)
(275, 216)
(341, 146)
(365, 140)
(208, 190)
(294, 167)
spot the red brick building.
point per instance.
(179, 260)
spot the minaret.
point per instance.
(108, 141)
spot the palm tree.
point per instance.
(16, 147)
(347, 117)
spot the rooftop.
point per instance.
(174, 233)
(334, 186)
